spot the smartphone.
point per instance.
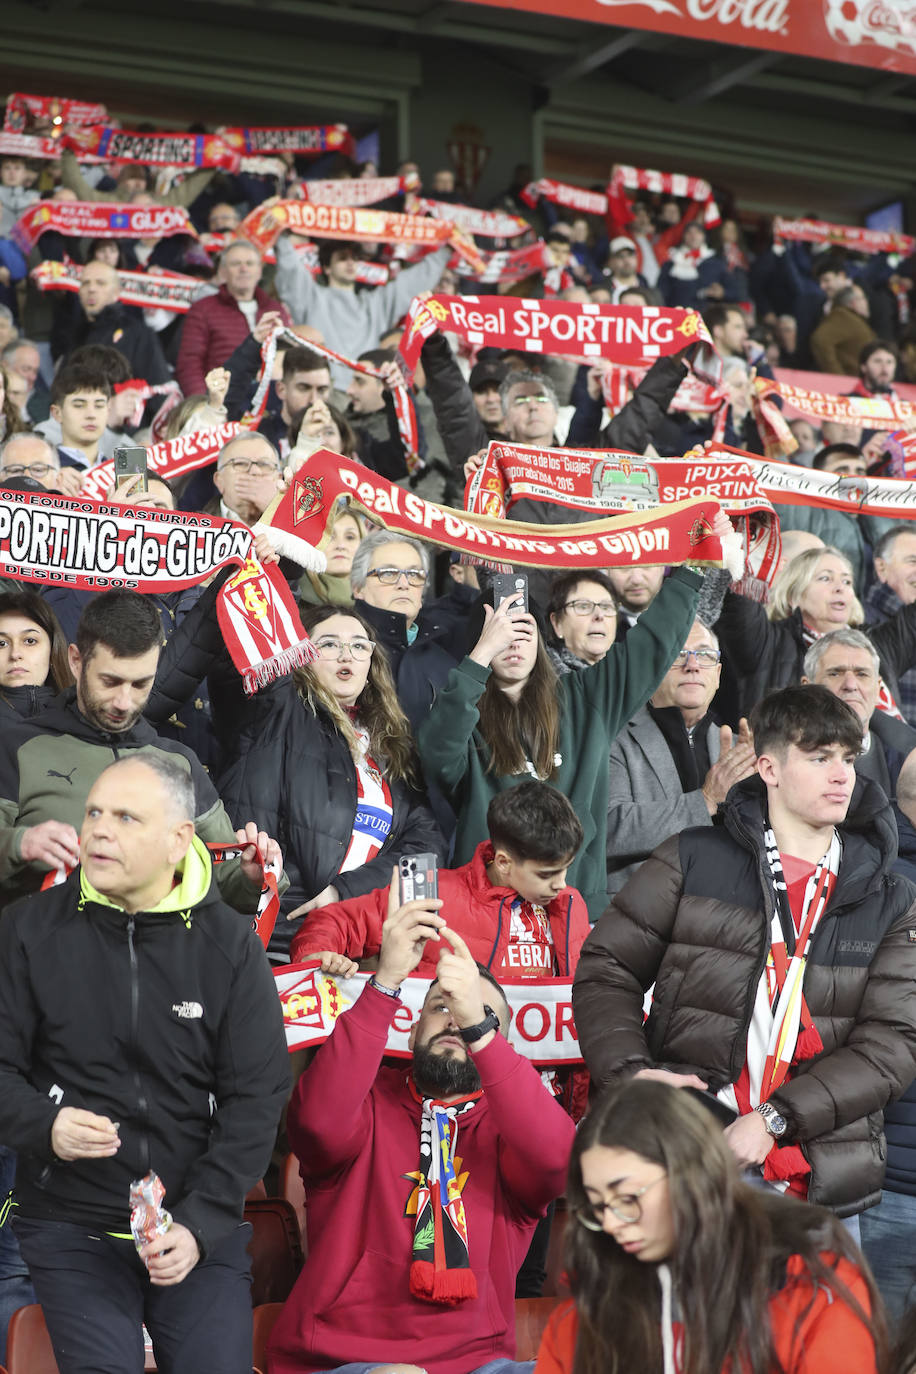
(724, 1114)
(418, 877)
(127, 462)
(510, 584)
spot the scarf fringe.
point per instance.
(278, 665)
(448, 1286)
(289, 545)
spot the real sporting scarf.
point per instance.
(440, 1270)
(97, 219)
(175, 149)
(593, 480)
(301, 139)
(665, 184)
(788, 484)
(867, 412)
(561, 193)
(64, 541)
(171, 291)
(492, 224)
(49, 111)
(694, 395)
(782, 1032)
(632, 335)
(677, 533)
(354, 190)
(172, 458)
(508, 266)
(403, 404)
(542, 1027)
(264, 919)
(850, 236)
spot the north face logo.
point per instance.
(188, 1011)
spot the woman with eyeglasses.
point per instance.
(33, 655)
(504, 715)
(583, 616)
(326, 762)
(677, 1267)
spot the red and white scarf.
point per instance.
(172, 291)
(101, 220)
(850, 236)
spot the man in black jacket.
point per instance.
(140, 1033)
(780, 946)
(100, 318)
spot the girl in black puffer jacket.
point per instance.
(33, 655)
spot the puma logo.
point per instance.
(67, 777)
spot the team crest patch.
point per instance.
(309, 498)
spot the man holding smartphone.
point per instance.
(423, 1189)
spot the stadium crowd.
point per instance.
(691, 793)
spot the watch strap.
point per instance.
(490, 1022)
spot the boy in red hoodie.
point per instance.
(510, 904)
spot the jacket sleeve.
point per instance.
(150, 363)
(557, 1351)
(824, 348)
(243, 367)
(343, 1072)
(444, 738)
(190, 187)
(389, 302)
(213, 826)
(73, 179)
(251, 1085)
(535, 1134)
(353, 927)
(895, 640)
(585, 424)
(460, 427)
(195, 334)
(639, 811)
(877, 1061)
(420, 835)
(633, 426)
(26, 1115)
(629, 673)
(293, 283)
(619, 963)
(193, 649)
(746, 634)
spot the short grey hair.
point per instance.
(359, 570)
(526, 378)
(53, 455)
(244, 439)
(849, 639)
(175, 777)
(14, 344)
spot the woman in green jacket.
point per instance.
(504, 715)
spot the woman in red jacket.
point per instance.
(677, 1267)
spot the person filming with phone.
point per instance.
(423, 1188)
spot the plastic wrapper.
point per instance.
(148, 1218)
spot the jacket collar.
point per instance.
(63, 717)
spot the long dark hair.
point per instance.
(380, 713)
(731, 1245)
(33, 607)
(528, 728)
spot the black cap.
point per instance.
(20, 484)
(486, 372)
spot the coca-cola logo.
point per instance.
(767, 16)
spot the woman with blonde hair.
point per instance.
(812, 594)
(678, 1267)
(324, 761)
(339, 543)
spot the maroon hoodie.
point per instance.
(356, 1131)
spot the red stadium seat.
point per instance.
(275, 1249)
(28, 1345)
(531, 1316)
(293, 1189)
(264, 1319)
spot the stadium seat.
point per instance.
(293, 1189)
(531, 1316)
(264, 1318)
(28, 1345)
(275, 1249)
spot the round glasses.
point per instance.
(628, 1207)
(330, 647)
(389, 576)
(706, 658)
(583, 607)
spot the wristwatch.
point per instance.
(775, 1124)
(489, 1023)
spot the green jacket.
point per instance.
(594, 706)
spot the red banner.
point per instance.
(869, 33)
(850, 236)
(42, 113)
(99, 219)
(634, 335)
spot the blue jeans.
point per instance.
(889, 1244)
(15, 1288)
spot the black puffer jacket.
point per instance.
(420, 669)
(166, 1022)
(295, 776)
(695, 921)
(766, 654)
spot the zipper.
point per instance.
(142, 1104)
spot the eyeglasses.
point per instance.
(706, 658)
(583, 607)
(628, 1207)
(359, 649)
(389, 576)
(531, 401)
(37, 470)
(260, 467)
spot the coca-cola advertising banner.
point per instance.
(871, 33)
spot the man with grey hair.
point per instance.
(846, 662)
(247, 478)
(672, 764)
(98, 317)
(30, 455)
(389, 577)
(22, 357)
(894, 557)
(163, 1055)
